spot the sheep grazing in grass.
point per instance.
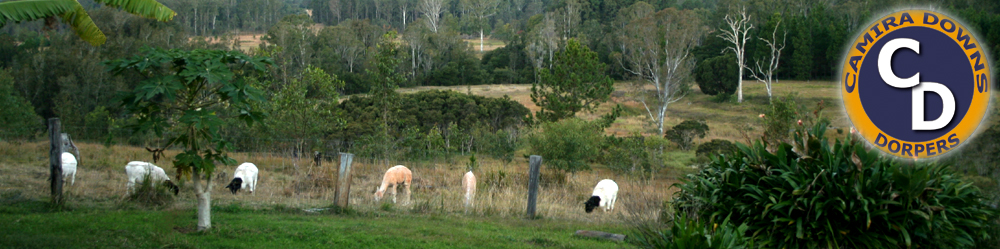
(605, 195)
(395, 176)
(69, 167)
(469, 185)
(245, 176)
(137, 171)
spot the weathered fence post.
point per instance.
(536, 164)
(55, 161)
(342, 196)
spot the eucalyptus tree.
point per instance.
(656, 50)
(432, 10)
(478, 11)
(737, 33)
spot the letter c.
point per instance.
(885, 62)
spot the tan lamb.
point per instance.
(395, 176)
(469, 185)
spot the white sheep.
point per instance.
(69, 167)
(469, 185)
(137, 171)
(395, 176)
(605, 195)
(245, 176)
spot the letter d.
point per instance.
(947, 111)
(881, 140)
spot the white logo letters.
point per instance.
(885, 70)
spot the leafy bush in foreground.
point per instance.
(813, 194)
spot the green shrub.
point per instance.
(684, 133)
(722, 98)
(568, 145)
(625, 154)
(635, 154)
(17, 117)
(779, 118)
(717, 75)
(705, 151)
(814, 194)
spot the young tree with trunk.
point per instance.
(576, 82)
(304, 109)
(385, 81)
(738, 33)
(184, 92)
(479, 11)
(657, 51)
(765, 73)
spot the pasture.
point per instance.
(97, 214)
(723, 119)
(29, 223)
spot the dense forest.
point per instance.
(327, 48)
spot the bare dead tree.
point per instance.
(432, 10)
(657, 50)
(543, 44)
(765, 73)
(738, 34)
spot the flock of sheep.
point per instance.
(245, 177)
(604, 196)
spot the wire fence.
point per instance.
(367, 149)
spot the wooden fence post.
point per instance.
(55, 161)
(536, 164)
(342, 195)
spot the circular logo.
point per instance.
(915, 83)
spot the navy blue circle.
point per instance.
(940, 60)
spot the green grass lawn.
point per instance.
(29, 223)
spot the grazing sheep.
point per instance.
(605, 195)
(469, 185)
(244, 176)
(395, 176)
(69, 167)
(137, 171)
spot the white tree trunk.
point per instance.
(737, 34)
(204, 195)
(663, 115)
(739, 87)
(480, 40)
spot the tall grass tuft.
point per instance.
(151, 195)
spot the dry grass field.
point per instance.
(502, 190)
(723, 118)
(249, 40)
(489, 44)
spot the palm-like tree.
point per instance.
(73, 14)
